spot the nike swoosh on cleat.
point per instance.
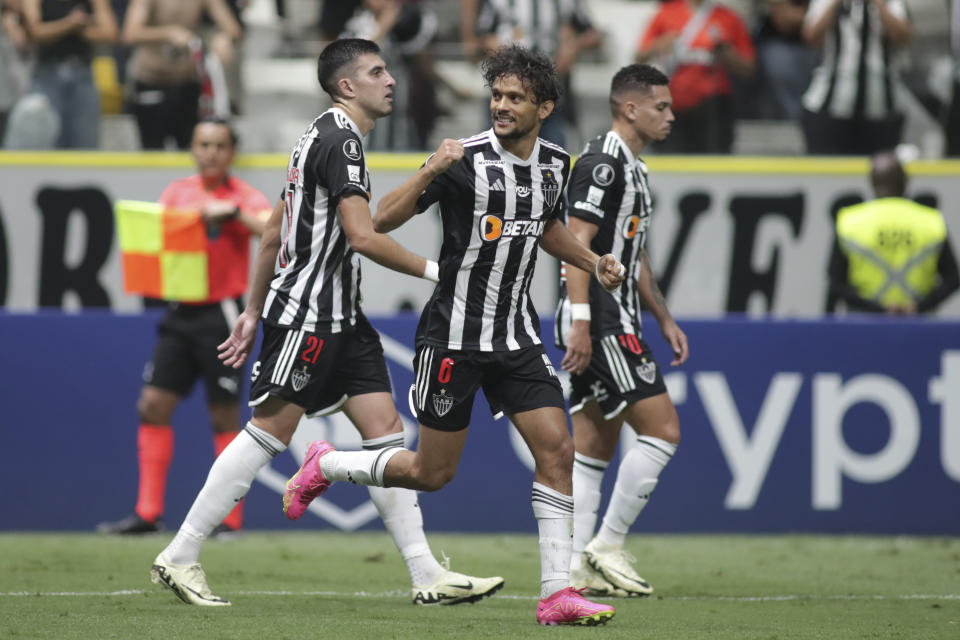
(466, 587)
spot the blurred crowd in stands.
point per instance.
(834, 68)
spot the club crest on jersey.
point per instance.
(442, 403)
(603, 175)
(492, 228)
(549, 187)
(351, 149)
(647, 372)
(299, 379)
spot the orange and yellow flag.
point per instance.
(164, 251)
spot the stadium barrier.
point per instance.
(788, 426)
(727, 235)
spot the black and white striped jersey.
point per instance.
(608, 188)
(533, 23)
(316, 282)
(857, 77)
(494, 208)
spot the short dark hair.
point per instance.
(636, 77)
(887, 175)
(223, 122)
(337, 54)
(534, 70)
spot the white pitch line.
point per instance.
(404, 594)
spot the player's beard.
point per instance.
(515, 134)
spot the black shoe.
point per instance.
(225, 532)
(131, 525)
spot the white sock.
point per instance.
(587, 476)
(358, 467)
(403, 519)
(554, 513)
(228, 481)
(636, 479)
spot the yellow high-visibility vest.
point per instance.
(893, 245)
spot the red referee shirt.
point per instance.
(228, 255)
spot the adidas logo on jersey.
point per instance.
(497, 186)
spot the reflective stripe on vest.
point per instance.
(893, 245)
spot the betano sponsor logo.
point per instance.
(493, 228)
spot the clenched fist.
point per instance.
(447, 154)
(610, 272)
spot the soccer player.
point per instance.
(188, 334)
(319, 352)
(499, 195)
(614, 377)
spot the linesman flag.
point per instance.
(164, 251)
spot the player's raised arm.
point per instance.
(400, 205)
(382, 249)
(237, 347)
(652, 297)
(563, 245)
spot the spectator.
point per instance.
(543, 27)
(891, 254)
(13, 43)
(586, 36)
(189, 333)
(405, 33)
(951, 125)
(851, 105)
(63, 33)
(167, 67)
(785, 61)
(699, 43)
(334, 15)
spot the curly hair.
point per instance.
(534, 70)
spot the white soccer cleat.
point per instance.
(188, 582)
(616, 567)
(593, 584)
(451, 587)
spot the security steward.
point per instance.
(891, 255)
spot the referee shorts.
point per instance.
(187, 340)
(622, 371)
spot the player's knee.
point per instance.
(434, 479)
(559, 455)
(671, 433)
(151, 411)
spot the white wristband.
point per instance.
(432, 271)
(580, 311)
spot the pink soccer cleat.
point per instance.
(568, 606)
(308, 482)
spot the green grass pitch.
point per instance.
(331, 586)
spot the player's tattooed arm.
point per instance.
(653, 298)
